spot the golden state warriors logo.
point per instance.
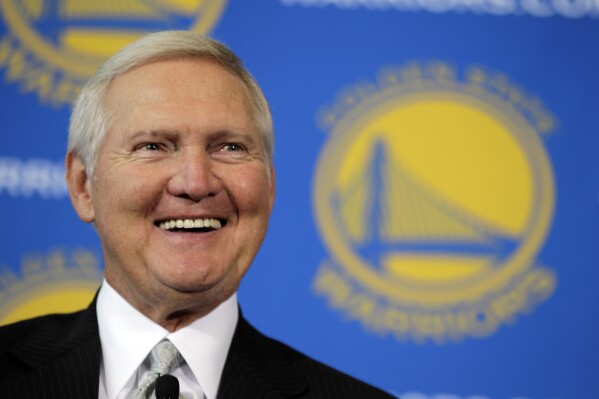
(434, 195)
(53, 46)
(59, 281)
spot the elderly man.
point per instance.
(170, 157)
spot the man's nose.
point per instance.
(193, 176)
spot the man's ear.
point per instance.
(79, 185)
(272, 182)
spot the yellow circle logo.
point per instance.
(56, 45)
(434, 197)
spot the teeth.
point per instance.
(190, 224)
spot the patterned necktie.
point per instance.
(163, 359)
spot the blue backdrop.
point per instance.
(435, 231)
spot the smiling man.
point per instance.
(170, 157)
(181, 150)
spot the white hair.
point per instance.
(89, 123)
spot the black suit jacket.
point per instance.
(58, 356)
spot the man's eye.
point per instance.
(151, 147)
(231, 147)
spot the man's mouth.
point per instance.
(192, 225)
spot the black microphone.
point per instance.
(167, 387)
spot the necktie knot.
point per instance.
(164, 358)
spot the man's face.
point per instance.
(182, 192)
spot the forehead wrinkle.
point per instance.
(117, 99)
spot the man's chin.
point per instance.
(200, 289)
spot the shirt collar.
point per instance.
(128, 336)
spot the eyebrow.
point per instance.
(153, 133)
(227, 134)
(221, 134)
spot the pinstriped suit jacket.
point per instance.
(58, 356)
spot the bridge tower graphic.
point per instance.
(385, 210)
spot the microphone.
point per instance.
(167, 387)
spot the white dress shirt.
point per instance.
(128, 336)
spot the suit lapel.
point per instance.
(255, 368)
(63, 355)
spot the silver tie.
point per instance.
(163, 359)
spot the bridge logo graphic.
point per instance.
(434, 195)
